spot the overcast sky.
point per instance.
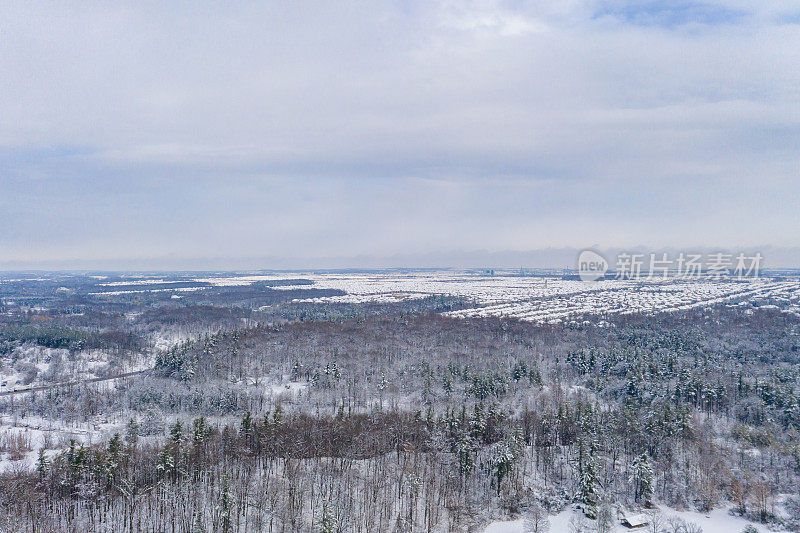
(299, 129)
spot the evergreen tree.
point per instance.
(247, 427)
(165, 464)
(465, 453)
(327, 523)
(176, 433)
(42, 464)
(277, 416)
(115, 447)
(224, 507)
(200, 430)
(132, 432)
(113, 458)
(643, 480)
(588, 484)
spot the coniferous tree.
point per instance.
(327, 522)
(132, 432)
(643, 480)
(588, 483)
(42, 464)
(224, 506)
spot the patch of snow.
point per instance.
(717, 521)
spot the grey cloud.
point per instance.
(303, 129)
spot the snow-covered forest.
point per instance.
(257, 410)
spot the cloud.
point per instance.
(671, 14)
(133, 130)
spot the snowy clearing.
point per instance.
(717, 521)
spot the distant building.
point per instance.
(635, 520)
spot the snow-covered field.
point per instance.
(652, 297)
(716, 521)
(35, 432)
(528, 298)
(550, 299)
(30, 366)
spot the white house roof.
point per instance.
(635, 520)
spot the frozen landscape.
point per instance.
(405, 266)
(459, 400)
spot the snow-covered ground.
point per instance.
(716, 521)
(36, 432)
(651, 297)
(31, 366)
(240, 281)
(528, 298)
(291, 388)
(548, 299)
(136, 291)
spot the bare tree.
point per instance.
(578, 523)
(605, 518)
(655, 521)
(536, 519)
